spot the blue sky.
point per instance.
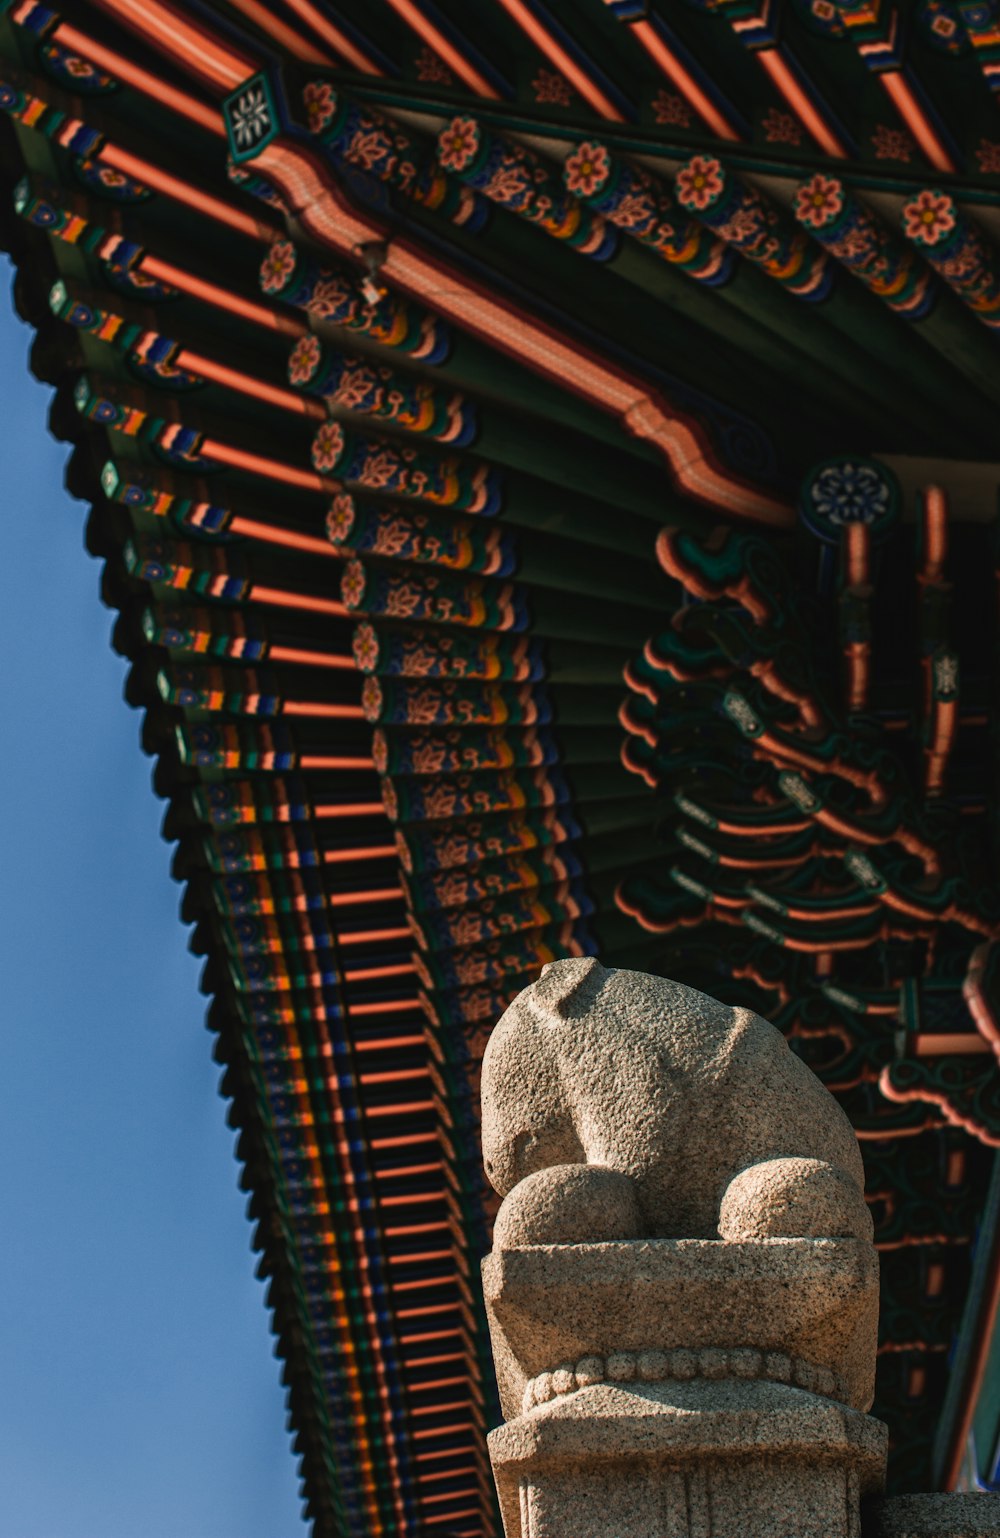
(139, 1393)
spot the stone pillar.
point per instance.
(624, 1433)
(683, 1293)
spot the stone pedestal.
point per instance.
(685, 1388)
(791, 1306)
(709, 1458)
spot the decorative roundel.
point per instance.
(75, 72)
(43, 215)
(942, 26)
(170, 635)
(821, 16)
(849, 490)
(105, 412)
(221, 798)
(153, 570)
(110, 182)
(366, 648)
(372, 698)
(79, 314)
(305, 360)
(340, 518)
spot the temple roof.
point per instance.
(544, 460)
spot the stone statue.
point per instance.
(683, 1291)
(709, 1124)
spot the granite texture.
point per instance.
(583, 1202)
(593, 1066)
(975, 1515)
(701, 1459)
(816, 1299)
(804, 1197)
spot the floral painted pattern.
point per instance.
(671, 110)
(509, 183)
(371, 148)
(468, 844)
(72, 70)
(340, 518)
(355, 385)
(631, 198)
(818, 201)
(418, 652)
(822, 16)
(320, 103)
(390, 800)
(304, 359)
(988, 156)
(421, 702)
(371, 698)
(699, 182)
(430, 69)
(495, 917)
(414, 535)
(929, 217)
(473, 795)
(334, 295)
(328, 446)
(458, 144)
(958, 250)
(362, 137)
(883, 263)
(352, 584)
(635, 211)
(850, 491)
(892, 144)
(756, 227)
(781, 128)
(331, 298)
(459, 887)
(111, 182)
(507, 173)
(362, 387)
(365, 648)
(941, 26)
(551, 89)
(587, 169)
(250, 116)
(460, 749)
(277, 267)
(401, 592)
(466, 484)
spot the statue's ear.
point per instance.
(567, 989)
